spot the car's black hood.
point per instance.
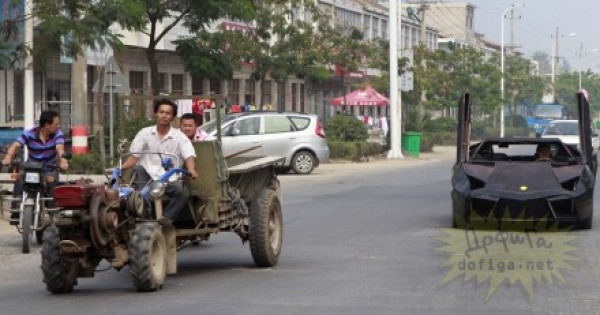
(522, 177)
(515, 177)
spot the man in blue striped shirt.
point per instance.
(45, 144)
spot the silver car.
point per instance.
(568, 132)
(300, 138)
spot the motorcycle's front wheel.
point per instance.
(26, 226)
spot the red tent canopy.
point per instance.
(366, 97)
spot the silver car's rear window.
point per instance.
(300, 123)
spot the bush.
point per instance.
(441, 137)
(346, 128)
(442, 124)
(91, 163)
(518, 132)
(427, 142)
(353, 150)
(519, 121)
(85, 164)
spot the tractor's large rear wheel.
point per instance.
(57, 277)
(148, 257)
(266, 228)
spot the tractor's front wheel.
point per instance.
(57, 277)
(148, 257)
(266, 228)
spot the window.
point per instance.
(294, 92)
(215, 86)
(136, 82)
(300, 123)
(266, 93)
(234, 90)
(384, 29)
(248, 126)
(197, 85)
(276, 124)
(367, 26)
(177, 84)
(249, 98)
(280, 96)
(162, 82)
(375, 27)
(415, 38)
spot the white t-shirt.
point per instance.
(175, 142)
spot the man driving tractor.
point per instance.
(162, 138)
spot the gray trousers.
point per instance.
(176, 191)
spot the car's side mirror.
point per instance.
(235, 131)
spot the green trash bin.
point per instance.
(411, 143)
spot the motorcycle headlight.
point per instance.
(157, 189)
(32, 178)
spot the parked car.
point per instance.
(298, 137)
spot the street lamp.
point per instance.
(580, 61)
(512, 7)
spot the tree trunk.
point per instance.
(343, 80)
(261, 97)
(100, 114)
(154, 77)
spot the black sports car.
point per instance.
(523, 179)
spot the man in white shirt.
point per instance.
(164, 139)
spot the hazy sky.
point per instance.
(539, 19)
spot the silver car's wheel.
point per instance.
(303, 162)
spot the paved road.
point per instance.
(358, 239)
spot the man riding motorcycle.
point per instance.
(45, 144)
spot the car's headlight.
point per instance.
(157, 189)
(32, 178)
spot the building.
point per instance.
(68, 85)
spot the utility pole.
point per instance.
(29, 112)
(423, 7)
(395, 99)
(512, 30)
(555, 59)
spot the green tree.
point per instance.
(70, 26)
(10, 52)
(544, 61)
(87, 23)
(344, 47)
(279, 43)
(521, 86)
(448, 74)
(379, 59)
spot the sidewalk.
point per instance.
(340, 167)
(335, 165)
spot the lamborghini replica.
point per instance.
(511, 179)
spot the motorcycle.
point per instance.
(33, 214)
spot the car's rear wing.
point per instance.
(464, 128)
(585, 129)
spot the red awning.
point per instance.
(366, 97)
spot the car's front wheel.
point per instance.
(303, 162)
